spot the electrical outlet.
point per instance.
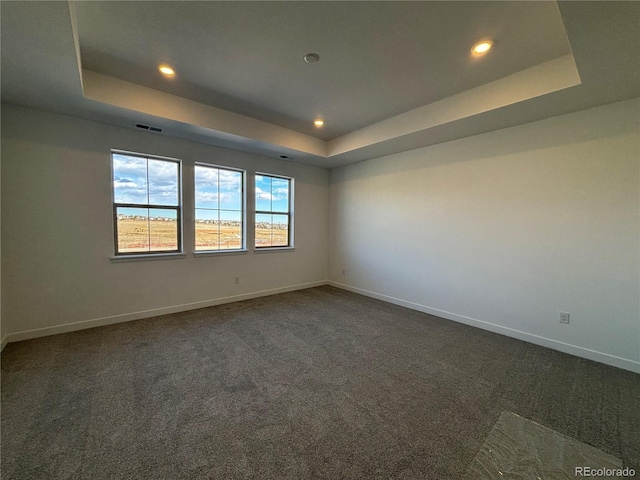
(564, 317)
(236, 280)
(344, 272)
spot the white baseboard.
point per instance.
(127, 317)
(596, 356)
(601, 357)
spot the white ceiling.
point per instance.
(392, 75)
(377, 59)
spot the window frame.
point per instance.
(289, 213)
(178, 208)
(243, 211)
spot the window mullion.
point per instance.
(135, 168)
(266, 184)
(216, 212)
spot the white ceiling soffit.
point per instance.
(601, 68)
(537, 80)
(532, 82)
(377, 59)
(145, 100)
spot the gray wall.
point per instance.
(57, 230)
(502, 231)
(505, 230)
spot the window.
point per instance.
(146, 204)
(273, 211)
(219, 208)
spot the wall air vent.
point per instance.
(147, 127)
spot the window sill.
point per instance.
(215, 253)
(273, 249)
(147, 257)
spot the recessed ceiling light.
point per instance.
(166, 70)
(318, 123)
(312, 58)
(482, 47)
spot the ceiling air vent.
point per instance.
(147, 127)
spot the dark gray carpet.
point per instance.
(319, 383)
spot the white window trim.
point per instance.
(243, 248)
(291, 245)
(137, 256)
(148, 257)
(273, 249)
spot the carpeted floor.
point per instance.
(313, 384)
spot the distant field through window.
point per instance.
(273, 211)
(146, 204)
(219, 208)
